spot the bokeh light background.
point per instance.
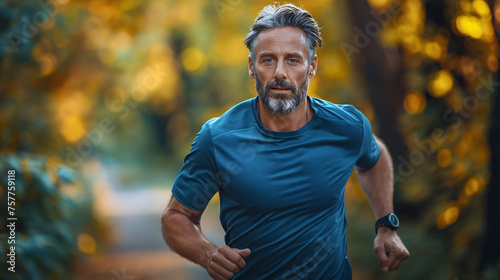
(100, 101)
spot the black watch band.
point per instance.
(390, 220)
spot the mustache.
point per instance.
(280, 83)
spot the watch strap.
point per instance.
(385, 221)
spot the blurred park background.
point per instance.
(100, 101)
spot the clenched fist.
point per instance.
(224, 262)
(390, 250)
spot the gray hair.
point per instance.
(287, 15)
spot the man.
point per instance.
(280, 163)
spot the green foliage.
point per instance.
(51, 208)
(425, 250)
(491, 272)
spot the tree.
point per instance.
(447, 51)
(491, 247)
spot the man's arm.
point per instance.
(182, 232)
(377, 183)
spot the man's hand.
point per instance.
(390, 250)
(223, 262)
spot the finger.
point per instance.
(382, 258)
(232, 255)
(392, 259)
(222, 259)
(402, 257)
(221, 271)
(396, 265)
(217, 276)
(244, 252)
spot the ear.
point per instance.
(251, 72)
(313, 66)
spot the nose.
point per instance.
(280, 73)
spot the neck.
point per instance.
(284, 123)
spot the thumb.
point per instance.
(244, 252)
(382, 257)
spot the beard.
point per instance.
(281, 103)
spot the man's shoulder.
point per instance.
(338, 112)
(238, 117)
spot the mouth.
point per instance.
(281, 89)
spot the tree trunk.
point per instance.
(383, 71)
(491, 247)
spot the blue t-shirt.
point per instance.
(281, 193)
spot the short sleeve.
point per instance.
(369, 151)
(197, 182)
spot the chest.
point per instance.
(265, 175)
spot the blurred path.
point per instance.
(136, 249)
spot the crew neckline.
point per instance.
(283, 134)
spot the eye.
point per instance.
(268, 60)
(293, 60)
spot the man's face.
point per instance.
(281, 68)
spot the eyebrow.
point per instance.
(292, 54)
(265, 54)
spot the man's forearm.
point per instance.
(182, 232)
(185, 237)
(377, 183)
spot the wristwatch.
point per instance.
(390, 220)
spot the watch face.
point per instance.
(394, 220)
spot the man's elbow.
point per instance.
(164, 222)
(167, 230)
(167, 222)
